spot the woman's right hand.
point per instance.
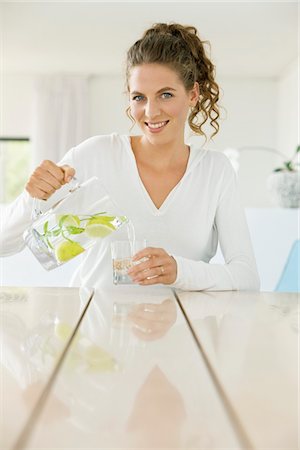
(48, 178)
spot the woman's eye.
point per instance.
(137, 98)
(167, 95)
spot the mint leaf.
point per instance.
(46, 224)
(74, 230)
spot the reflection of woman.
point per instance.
(182, 198)
(151, 321)
(158, 413)
(24, 373)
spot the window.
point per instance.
(15, 166)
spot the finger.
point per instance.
(144, 323)
(35, 192)
(151, 281)
(39, 188)
(56, 171)
(142, 308)
(146, 265)
(157, 320)
(149, 252)
(48, 184)
(69, 173)
(148, 273)
(55, 180)
(45, 180)
(148, 336)
(147, 317)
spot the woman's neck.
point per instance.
(164, 156)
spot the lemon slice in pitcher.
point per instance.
(98, 230)
(67, 250)
(68, 220)
(100, 227)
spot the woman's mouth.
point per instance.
(155, 127)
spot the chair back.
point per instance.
(289, 280)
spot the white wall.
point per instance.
(288, 109)
(251, 118)
(108, 103)
(16, 102)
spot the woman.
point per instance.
(182, 198)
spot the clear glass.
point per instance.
(74, 224)
(122, 253)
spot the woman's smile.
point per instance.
(156, 127)
(159, 102)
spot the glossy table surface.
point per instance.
(147, 368)
(32, 324)
(251, 345)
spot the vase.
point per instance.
(284, 188)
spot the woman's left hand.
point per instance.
(157, 267)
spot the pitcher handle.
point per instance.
(36, 206)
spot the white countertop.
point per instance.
(250, 343)
(31, 348)
(138, 368)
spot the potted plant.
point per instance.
(284, 182)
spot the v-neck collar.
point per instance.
(162, 209)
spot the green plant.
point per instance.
(290, 165)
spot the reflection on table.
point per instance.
(137, 368)
(251, 343)
(31, 321)
(132, 377)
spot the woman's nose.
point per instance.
(152, 109)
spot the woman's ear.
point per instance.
(194, 94)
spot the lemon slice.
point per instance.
(99, 359)
(68, 220)
(63, 330)
(98, 230)
(67, 250)
(103, 220)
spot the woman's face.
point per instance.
(159, 102)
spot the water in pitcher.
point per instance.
(74, 224)
(61, 238)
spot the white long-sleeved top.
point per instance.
(202, 209)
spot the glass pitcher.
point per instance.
(74, 224)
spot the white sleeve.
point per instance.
(16, 217)
(239, 271)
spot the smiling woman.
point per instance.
(160, 109)
(181, 198)
(181, 50)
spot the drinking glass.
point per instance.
(122, 253)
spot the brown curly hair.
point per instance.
(180, 48)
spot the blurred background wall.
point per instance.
(254, 46)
